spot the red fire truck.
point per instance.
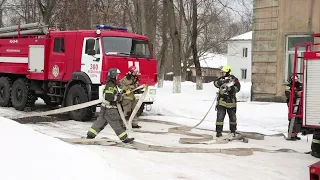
(67, 67)
(307, 106)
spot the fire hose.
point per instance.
(148, 147)
(177, 130)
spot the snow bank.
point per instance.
(27, 154)
(245, 92)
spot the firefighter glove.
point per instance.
(128, 92)
(145, 85)
(221, 81)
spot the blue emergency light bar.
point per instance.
(102, 26)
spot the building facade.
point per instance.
(239, 56)
(277, 26)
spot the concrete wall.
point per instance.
(236, 59)
(273, 21)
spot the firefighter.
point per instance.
(226, 101)
(315, 145)
(127, 84)
(109, 112)
(297, 91)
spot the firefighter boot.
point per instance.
(90, 135)
(136, 126)
(219, 134)
(128, 140)
(133, 124)
(219, 130)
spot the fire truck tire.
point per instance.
(5, 91)
(21, 95)
(79, 93)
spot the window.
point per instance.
(92, 44)
(58, 45)
(122, 46)
(290, 46)
(243, 73)
(244, 52)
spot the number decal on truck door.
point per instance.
(136, 64)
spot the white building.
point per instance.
(210, 66)
(239, 56)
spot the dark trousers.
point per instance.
(108, 116)
(221, 113)
(315, 145)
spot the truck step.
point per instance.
(55, 95)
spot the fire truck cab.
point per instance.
(68, 67)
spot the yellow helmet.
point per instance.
(226, 69)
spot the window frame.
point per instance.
(245, 52)
(292, 52)
(62, 44)
(245, 71)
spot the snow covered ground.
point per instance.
(27, 154)
(186, 108)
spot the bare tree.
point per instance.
(1, 12)
(164, 46)
(176, 42)
(47, 8)
(194, 45)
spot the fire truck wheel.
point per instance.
(78, 94)
(21, 95)
(5, 88)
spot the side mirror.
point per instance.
(91, 52)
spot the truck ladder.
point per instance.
(292, 120)
(24, 29)
(295, 110)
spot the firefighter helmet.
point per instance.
(113, 72)
(226, 69)
(133, 69)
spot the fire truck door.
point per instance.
(57, 64)
(91, 59)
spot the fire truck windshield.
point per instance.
(124, 46)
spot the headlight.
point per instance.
(152, 91)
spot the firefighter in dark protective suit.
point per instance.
(109, 112)
(297, 91)
(228, 86)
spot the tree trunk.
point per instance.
(125, 12)
(137, 10)
(142, 17)
(176, 42)
(164, 46)
(199, 85)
